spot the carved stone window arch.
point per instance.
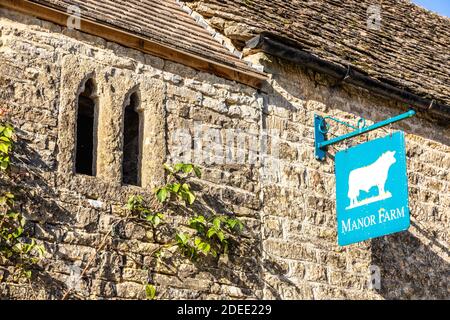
(86, 128)
(133, 125)
(113, 90)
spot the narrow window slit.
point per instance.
(85, 148)
(131, 143)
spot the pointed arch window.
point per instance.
(86, 136)
(132, 142)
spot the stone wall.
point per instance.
(299, 217)
(286, 198)
(43, 69)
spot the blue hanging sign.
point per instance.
(372, 189)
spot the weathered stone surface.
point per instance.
(130, 290)
(288, 205)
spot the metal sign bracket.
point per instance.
(321, 129)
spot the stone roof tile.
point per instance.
(410, 49)
(167, 22)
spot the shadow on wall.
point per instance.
(36, 199)
(70, 231)
(238, 273)
(295, 83)
(414, 264)
(409, 268)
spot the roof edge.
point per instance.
(287, 50)
(127, 39)
(217, 36)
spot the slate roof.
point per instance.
(411, 50)
(162, 21)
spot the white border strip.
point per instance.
(216, 35)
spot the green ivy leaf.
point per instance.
(220, 235)
(197, 172)
(12, 215)
(162, 194)
(198, 223)
(187, 168)
(211, 232)
(150, 291)
(168, 168)
(181, 238)
(18, 232)
(9, 195)
(4, 165)
(216, 223)
(178, 167)
(240, 225)
(231, 223)
(156, 220)
(190, 197)
(134, 202)
(40, 250)
(205, 247)
(22, 221)
(199, 219)
(176, 187)
(8, 131)
(4, 147)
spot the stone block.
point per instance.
(130, 290)
(315, 273)
(290, 250)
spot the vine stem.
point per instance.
(102, 244)
(32, 288)
(92, 258)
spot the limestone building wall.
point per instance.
(263, 169)
(299, 214)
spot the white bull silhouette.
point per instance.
(365, 178)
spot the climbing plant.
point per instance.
(16, 246)
(206, 233)
(6, 145)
